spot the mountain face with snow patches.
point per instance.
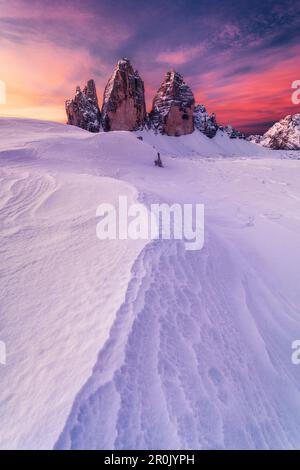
(205, 123)
(83, 110)
(124, 105)
(283, 135)
(232, 132)
(173, 106)
(255, 139)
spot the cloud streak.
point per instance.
(181, 56)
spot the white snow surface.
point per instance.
(126, 344)
(199, 145)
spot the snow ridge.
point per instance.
(187, 365)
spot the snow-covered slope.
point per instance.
(199, 145)
(60, 286)
(119, 344)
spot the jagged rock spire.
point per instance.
(124, 99)
(173, 106)
(204, 122)
(83, 110)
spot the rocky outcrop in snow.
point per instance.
(83, 110)
(173, 107)
(255, 139)
(205, 123)
(124, 99)
(232, 132)
(283, 135)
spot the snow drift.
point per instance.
(123, 344)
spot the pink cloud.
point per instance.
(70, 21)
(41, 76)
(260, 95)
(181, 56)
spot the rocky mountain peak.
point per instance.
(205, 123)
(283, 135)
(173, 106)
(173, 109)
(83, 110)
(90, 92)
(124, 64)
(124, 105)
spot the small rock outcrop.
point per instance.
(232, 132)
(83, 110)
(124, 106)
(173, 107)
(283, 135)
(158, 162)
(255, 139)
(205, 123)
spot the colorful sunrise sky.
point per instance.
(239, 57)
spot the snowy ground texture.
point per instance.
(127, 344)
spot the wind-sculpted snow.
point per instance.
(190, 362)
(124, 344)
(57, 291)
